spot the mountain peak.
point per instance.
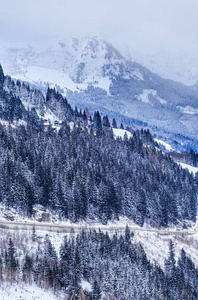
(94, 47)
(96, 59)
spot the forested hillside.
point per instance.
(96, 266)
(87, 175)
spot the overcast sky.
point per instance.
(150, 23)
(136, 25)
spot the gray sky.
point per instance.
(136, 25)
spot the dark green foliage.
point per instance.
(84, 172)
(11, 107)
(1, 76)
(12, 263)
(105, 121)
(80, 175)
(27, 268)
(121, 126)
(97, 122)
(29, 198)
(114, 124)
(96, 291)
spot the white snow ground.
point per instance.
(26, 292)
(121, 132)
(147, 95)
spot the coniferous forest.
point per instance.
(83, 175)
(114, 267)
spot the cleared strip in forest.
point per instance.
(78, 228)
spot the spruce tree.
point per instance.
(114, 124)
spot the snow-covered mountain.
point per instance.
(92, 73)
(72, 65)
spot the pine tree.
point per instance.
(1, 76)
(114, 124)
(11, 260)
(105, 121)
(97, 122)
(27, 269)
(29, 199)
(96, 290)
(170, 265)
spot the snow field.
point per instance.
(26, 292)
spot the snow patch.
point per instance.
(50, 76)
(86, 286)
(71, 65)
(147, 95)
(13, 124)
(191, 169)
(166, 145)
(144, 97)
(162, 101)
(104, 84)
(121, 132)
(136, 74)
(188, 110)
